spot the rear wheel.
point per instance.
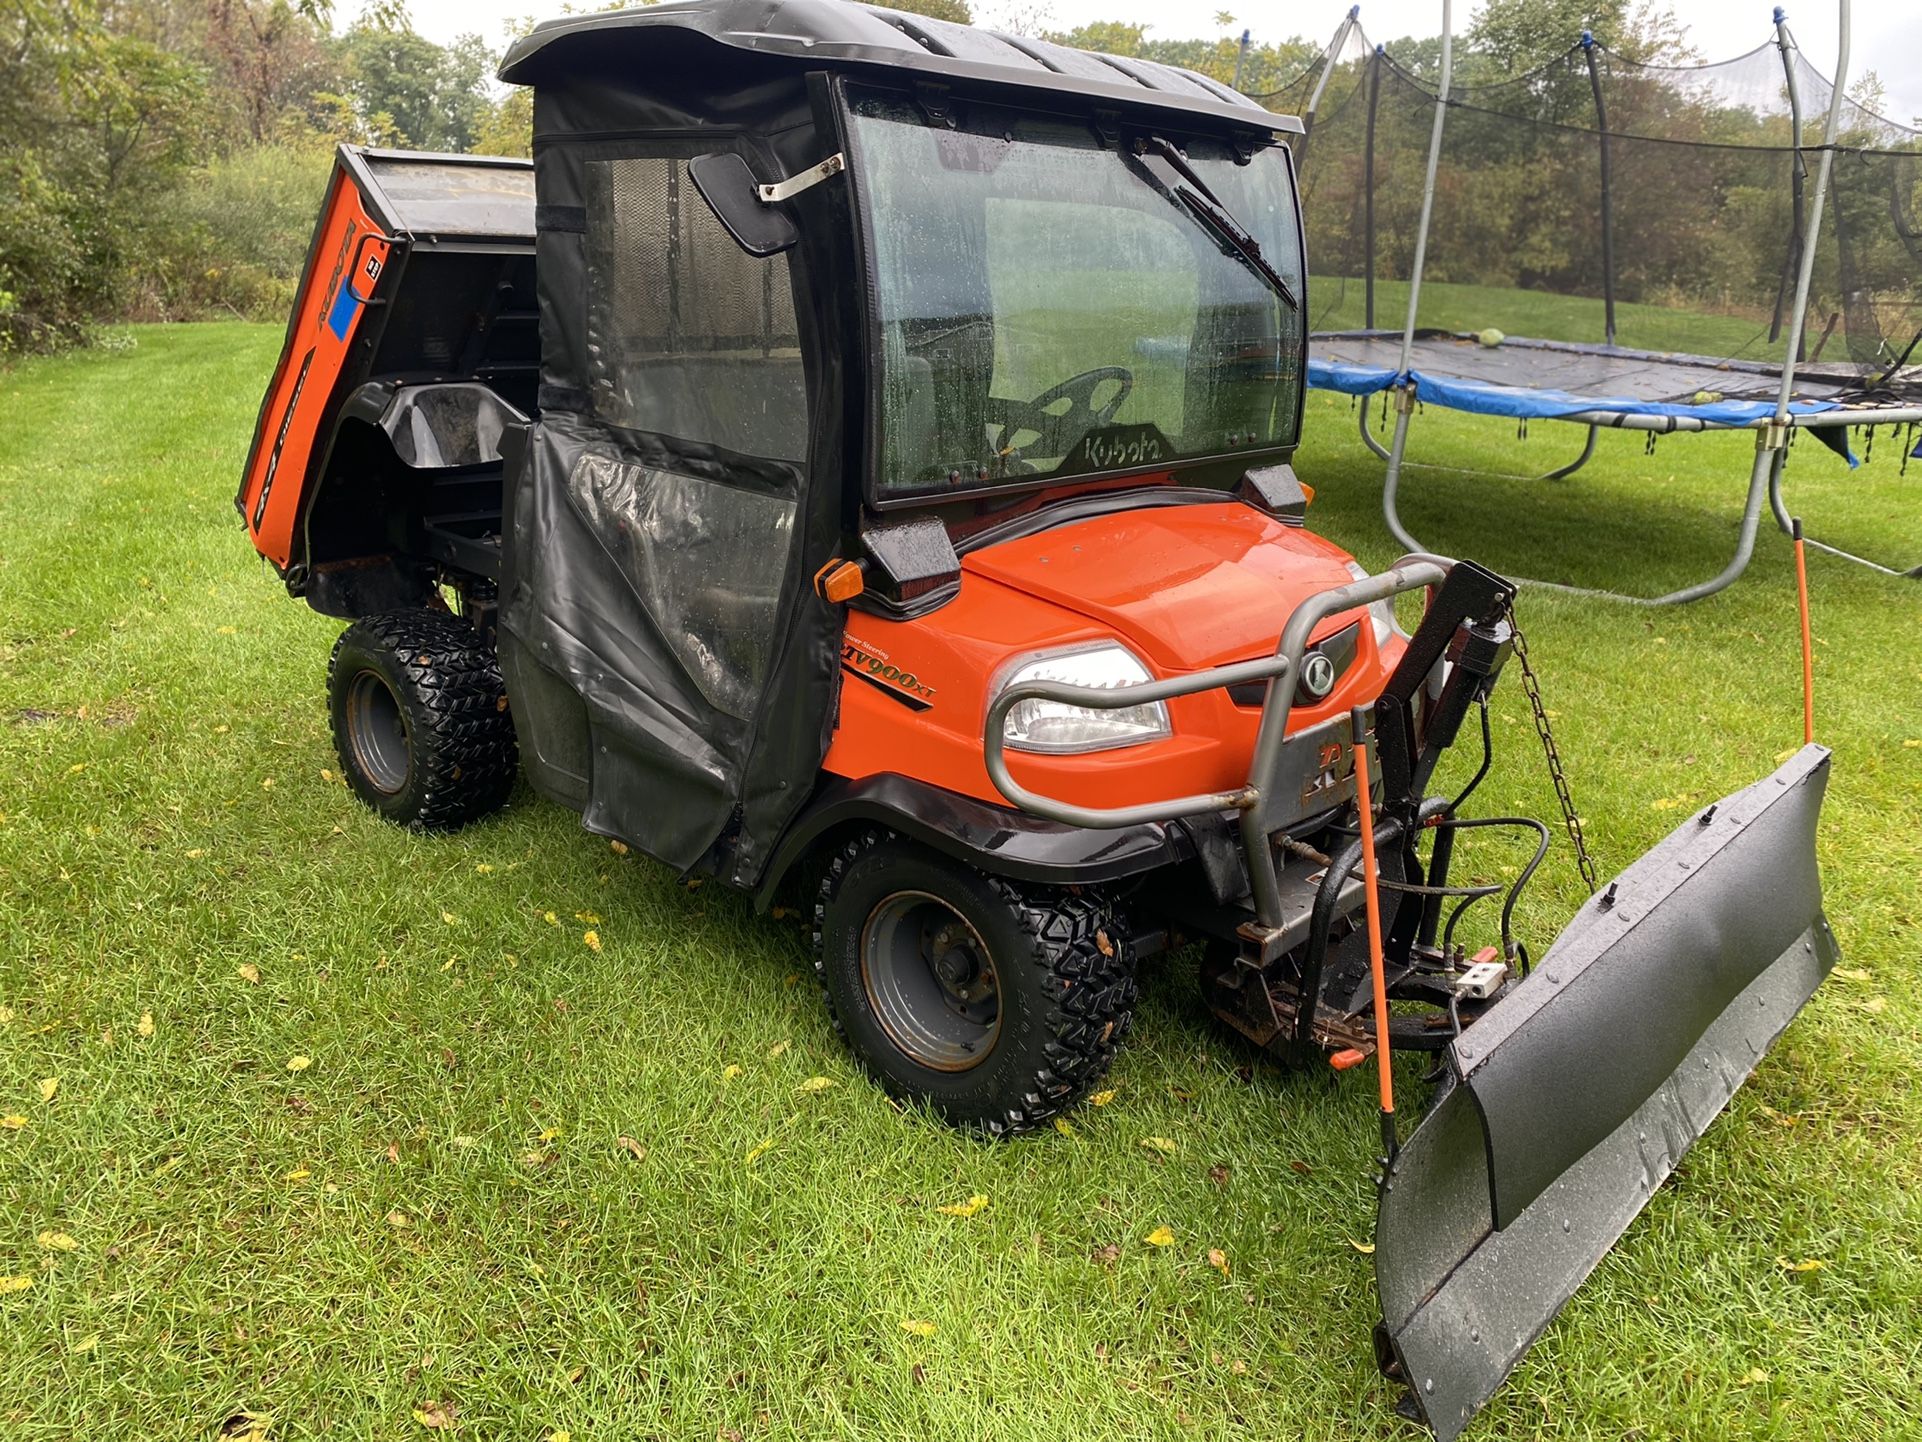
(997, 1005)
(420, 718)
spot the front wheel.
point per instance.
(997, 1005)
(420, 718)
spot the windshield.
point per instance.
(1053, 306)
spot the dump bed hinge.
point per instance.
(807, 179)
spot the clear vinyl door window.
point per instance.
(693, 342)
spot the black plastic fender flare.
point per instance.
(997, 839)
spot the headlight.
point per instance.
(1038, 725)
(1382, 613)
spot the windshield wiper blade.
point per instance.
(1205, 206)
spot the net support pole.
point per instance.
(1241, 56)
(1368, 193)
(1785, 44)
(1328, 59)
(1404, 387)
(1608, 205)
(1806, 272)
(1428, 184)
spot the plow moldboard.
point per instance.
(1576, 1096)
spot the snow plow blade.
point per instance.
(1570, 1102)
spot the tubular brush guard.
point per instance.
(1565, 1106)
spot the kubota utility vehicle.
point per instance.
(859, 447)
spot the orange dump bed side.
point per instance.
(348, 255)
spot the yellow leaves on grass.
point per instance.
(49, 1088)
(591, 940)
(1163, 1145)
(815, 1085)
(1061, 1125)
(299, 1063)
(972, 1207)
(1101, 1099)
(619, 848)
(56, 1241)
(1807, 1264)
(399, 1220)
(9, 1285)
(588, 918)
(759, 1150)
(731, 1071)
(550, 918)
(1218, 1259)
(166, 1166)
(778, 1050)
(435, 1416)
(560, 1434)
(1750, 1378)
(916, 1328)
(1367, 1249)
(85, 1344)
(248, 973)
(144, 1027)
(297, 1175)
(1853, 973)
(1163, 1236)
(632, 1148)
(1781, 1119)
(13, 1122)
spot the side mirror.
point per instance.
(733, 194)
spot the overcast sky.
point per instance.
(1888, 33)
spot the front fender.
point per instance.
(997, 839)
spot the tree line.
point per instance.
(164, 159)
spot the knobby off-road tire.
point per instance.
(420, 718)
(1064, 984)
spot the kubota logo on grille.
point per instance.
(1317, 674)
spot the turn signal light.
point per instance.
(839, 581)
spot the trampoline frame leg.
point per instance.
(1367, 404)
(1588, 451)
(1770, 444)
(1391, 479)
(1787, 525)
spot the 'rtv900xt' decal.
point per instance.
(872, 666)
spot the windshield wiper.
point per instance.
(1195, 197)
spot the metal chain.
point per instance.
(1533, 687)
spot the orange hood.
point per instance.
(1189, 586)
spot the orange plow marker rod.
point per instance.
(1808, 644)
(1370, 875)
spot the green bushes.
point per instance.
(229, 238)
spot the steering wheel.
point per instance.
(1056, 430)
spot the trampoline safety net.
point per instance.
(1602, 201)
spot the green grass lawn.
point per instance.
(1339, 303)
(442, 1208)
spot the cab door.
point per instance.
(654, 572)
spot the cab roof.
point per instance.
(839, 34)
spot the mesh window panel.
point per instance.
(688, 335)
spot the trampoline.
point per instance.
(1633, 197)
